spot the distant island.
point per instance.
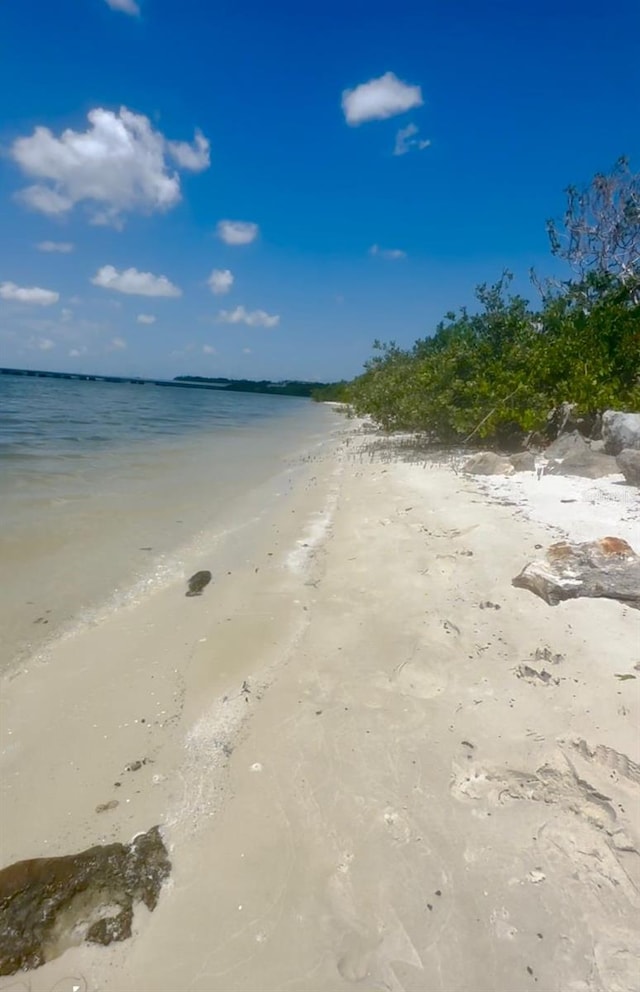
(287, 387)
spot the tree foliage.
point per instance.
(495, 374)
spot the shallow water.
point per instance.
(106, 490)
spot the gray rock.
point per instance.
(488, 463)
(50, 904)
(198, 582)
(620, 431)
(524, 461)
(629, 464)
(607, 568)
(585, 463)
(567, 444)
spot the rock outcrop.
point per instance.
(570, 454)
(50, 904)
(524, 461)
(607, 568)
(628, 462)
(620, 431)
(488, 463)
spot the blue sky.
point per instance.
(335, 172)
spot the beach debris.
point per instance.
(620, 431)
(532, 675)
(50, 904)
(450, 627)
(628, 461)
(488, 605)
(198, 582)
(605, 568)
(104, 807)
(488, 463)
(135, 766)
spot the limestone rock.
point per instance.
(629, 464)
(488, 463)
(524, 461)
(583, 462)
(607, 568)
(620, 431)
(567, 444)
(50, 904)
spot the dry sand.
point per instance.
(361, 779)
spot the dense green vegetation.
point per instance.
(495, 373)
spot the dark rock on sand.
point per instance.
(629, 464)
(50, 904)
(607, 568)
(198, 582)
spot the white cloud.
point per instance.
(246, 351)
(195, 157)
(379, 99)
(117, 344)
(220, 281)
(119, 164)
(66, 315)
(134, 283)
(237, 232)
(64, 247)
(28, 294)
(40, 344)
(252, 318)
(77, 352)
(208, 349)
(146, 318)
(406, 140)
(391, 254)
(127, 6)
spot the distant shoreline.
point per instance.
(288, 387)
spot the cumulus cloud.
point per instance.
(406, 140)
(127, 6)
(118, 165)
(146, 318)
(63, 247)
(237, 232)
(379, 98)
(208, 349)
(220, 281)
(246, 351)
(28, 294)
(391, 254)
(117, 344)
(252, 318)
(77, 352)
(134, 283)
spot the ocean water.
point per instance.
(106, 489)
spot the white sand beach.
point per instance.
(375, 763)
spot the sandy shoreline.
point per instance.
(356, 780)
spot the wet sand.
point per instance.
(359, 772)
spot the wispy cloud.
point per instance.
(28, 294)
(220, 281)
(237, 232)
(252, 318)
(120, 164)
(146, 318)
(391, 254)
(63, 247)
(117, 344)
(134, 283)
(406, 140)
(379, 98)
(208, 349)
(126, 6)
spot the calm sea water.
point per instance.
(103, 486)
